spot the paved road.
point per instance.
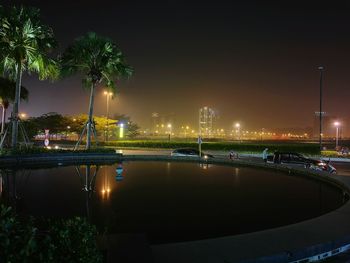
(342, 168)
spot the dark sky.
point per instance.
(254, 62)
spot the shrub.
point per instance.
(71, 240)
(42, 150)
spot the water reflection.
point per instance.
(12, 184)
(106, 187)
(168, 201)
(1, 182)
(236, 175)
(205, 166)
(119, 177)
(87, 175)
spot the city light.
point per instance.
(336, 124)
(107, 93)
(121, 130)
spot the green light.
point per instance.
(121, 131)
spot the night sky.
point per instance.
(253, 62)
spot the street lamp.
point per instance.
(23, 115)
(108, 94)
(336, 124)
(321, 69)
(68, 129)
(169, 127)
(238, 126)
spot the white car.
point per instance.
(190, 153)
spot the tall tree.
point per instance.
(24, 47)
(100, 61)
(7, 96)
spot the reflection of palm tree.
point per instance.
(88, 183)
(24, 45)
(99, 60)
(13, 183)
(7, 96)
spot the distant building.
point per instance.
(155, 121)
(206, 121)
(162, 124)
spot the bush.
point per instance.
(42, 150)
(72, 240)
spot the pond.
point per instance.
(169, 201)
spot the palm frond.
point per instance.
(8, 89)
(25, 40)
(97, 58)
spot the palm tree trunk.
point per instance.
(2, 119)
(15, 106)
(91, 110)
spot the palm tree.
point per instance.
(7, 96)
(100, 61)
(24, 46)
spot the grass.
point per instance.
(248, 147)
(307, 148)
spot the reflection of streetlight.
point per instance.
(336, 124)
(108, 94)
(106, 186)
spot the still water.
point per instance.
(169, 201)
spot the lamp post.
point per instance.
(321, 69)
(169, 127)
(68, 129)
(238, 126)
(336, 124)
(108, 94)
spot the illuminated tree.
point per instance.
(24, 46)
(101, 62)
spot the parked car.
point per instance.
(297, 159)
(190, 153)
